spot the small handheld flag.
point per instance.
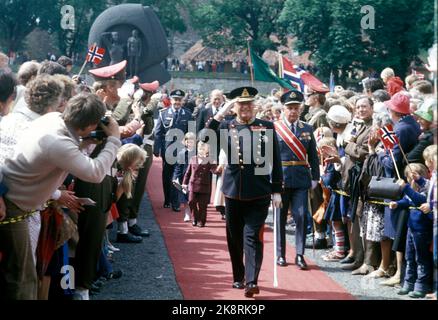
(388, 137)
(95, 54)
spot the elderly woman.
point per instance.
(43, 95)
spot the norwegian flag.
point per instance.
(299, 78)
(292, 73)
(95, 54)
(388, 137)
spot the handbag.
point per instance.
(384, 188)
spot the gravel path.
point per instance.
(148, 273)
(358, 286)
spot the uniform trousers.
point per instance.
(170, 192)
(91, 227)
(245, 225)
(298, 200)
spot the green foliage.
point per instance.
(229, 24)
(332, 32)
(19, 17)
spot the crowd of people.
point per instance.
(75, 159)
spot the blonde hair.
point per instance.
(327, 141)
(127, 156)
(417, 168)
(430, 155)
(189, 136)
(387, 73)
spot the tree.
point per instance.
(228, 24)
(331, 31)
(19, 17)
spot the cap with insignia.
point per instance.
(290, 97)
(112, 72)
(177, 94)
(243, 94)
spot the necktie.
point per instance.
(292, 127)
(176, 116)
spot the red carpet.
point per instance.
(203, 268)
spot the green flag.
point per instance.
(262, 72)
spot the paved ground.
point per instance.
(358, 286)
(149, 274)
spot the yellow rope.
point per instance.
(23, 216)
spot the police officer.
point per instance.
(174, 117)
(300, 163)
(247, 191)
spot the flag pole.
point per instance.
(251, 70)
(406, 159)
(82, 68)
(274, 211)
(395, 164)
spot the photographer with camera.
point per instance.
(48, 151)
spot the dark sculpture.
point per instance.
(113, 46)
(134, 53)
(141, 36)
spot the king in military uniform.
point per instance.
(247, 191)
(300, 163)
(174, 117)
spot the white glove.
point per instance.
(225, 109)
(127, 90)
(314, 184)
(276, 200)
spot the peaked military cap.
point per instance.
(292, 96)
(243, 94)
(177, 94)
(152, 86)
(112, 72)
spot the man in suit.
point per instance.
(247, 185)
(210, 110)
(174, 117)
(300, 173)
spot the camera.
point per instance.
(99, 134)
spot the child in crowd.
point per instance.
(130, 158)
(197, 181)
(181, 165)
(418, 274)
(431, 159)
(331, 179)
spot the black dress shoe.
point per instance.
(347, 260)
(251, 289)
(176, 209)
(201, 225)
(166, 205)
(223, 217)
(137, 231)
(300, 262)
(321, 244)
(128, 238)
(194, 223)
(116, 274)
(238, 285)
(281, 262)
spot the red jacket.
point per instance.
(198, 176)
(394, 85)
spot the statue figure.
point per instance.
(134, 53)
(114, 46)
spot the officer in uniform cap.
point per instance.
(247, 191)
(300, 163)
(174, 117)
(107, 81)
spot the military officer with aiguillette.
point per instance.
(253, 175)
